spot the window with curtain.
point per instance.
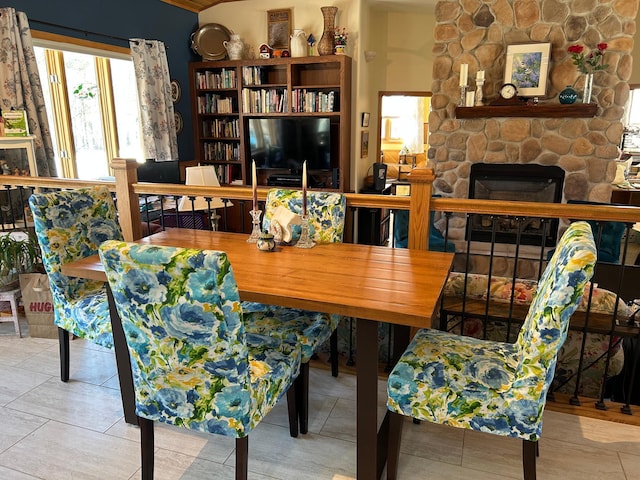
(92, 105)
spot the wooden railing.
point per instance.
(420, 204)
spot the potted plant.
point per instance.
(340, 38)
(19, 253)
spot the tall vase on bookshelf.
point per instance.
(326, 44)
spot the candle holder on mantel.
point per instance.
(479, 95)
(463, 96)
(255, 220)
(305, 237)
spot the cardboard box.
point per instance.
(15, 123)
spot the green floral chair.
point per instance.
(489, 386)
(70, 225)
(193, 365)
(311, 329)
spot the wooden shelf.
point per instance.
(575, 110)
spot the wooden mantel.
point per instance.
(553, 110)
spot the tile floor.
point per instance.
(55, 431)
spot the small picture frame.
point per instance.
(365, 119)
(279, 28)
(364, 144)
(527, 67)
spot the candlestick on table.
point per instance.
(304, 188)
(305, 240)
(254, 184)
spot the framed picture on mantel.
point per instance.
(527, 68)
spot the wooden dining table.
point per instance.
(370, 283)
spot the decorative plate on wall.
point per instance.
(207, 41)
(176, 91)
(179, 124)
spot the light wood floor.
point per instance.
(55, 431)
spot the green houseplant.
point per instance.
(19, 253)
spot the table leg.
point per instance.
(367, 402)
(123, 363)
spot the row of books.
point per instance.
(253, 76)
(223, 79)
(228, 173)
(221, 151)
(214, 103)
(312, 101)
(221, 127)
(264, 101)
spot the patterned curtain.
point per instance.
(156, 108)
(20, 85)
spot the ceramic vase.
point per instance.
(298, 43)
(326, 44)
(568, 95)
(234, 47)
(588, 87)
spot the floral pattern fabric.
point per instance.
(192, 363)
(596, 344)
(20, 86)
(326, 211)
(157, 116)
(497, 387)
(70, 225)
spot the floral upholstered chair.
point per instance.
(70, 225)
(489, 386)
(193, 365)
(326, 212)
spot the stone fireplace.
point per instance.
(477, 33)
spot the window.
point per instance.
(403, 121)
(92, 106)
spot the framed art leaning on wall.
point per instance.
(527, 67)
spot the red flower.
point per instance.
(590, 63)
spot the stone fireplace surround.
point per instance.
(477, 32)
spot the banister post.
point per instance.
(420, 207)
(125, 171)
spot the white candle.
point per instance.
(254, 183)
(304, 188)
(480, 75)
(464, 72)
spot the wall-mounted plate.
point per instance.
(208, 40)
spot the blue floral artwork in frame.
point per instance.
(527, 67)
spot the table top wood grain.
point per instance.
(393, 285)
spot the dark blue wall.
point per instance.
(150, 19)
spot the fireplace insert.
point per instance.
(515, 182)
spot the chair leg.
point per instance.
(292, 407)
(333, 352)
(147, 447)
(63, 340)
(302, 397)
(393, 450)
(242, 458)
(529, 451)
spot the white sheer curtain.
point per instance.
(20, 85)
(156, 108)
(408, 119)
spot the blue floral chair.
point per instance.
(326, 213)
(489, 386)
(70, 225)
(193, 365)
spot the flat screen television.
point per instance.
(285, 143)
